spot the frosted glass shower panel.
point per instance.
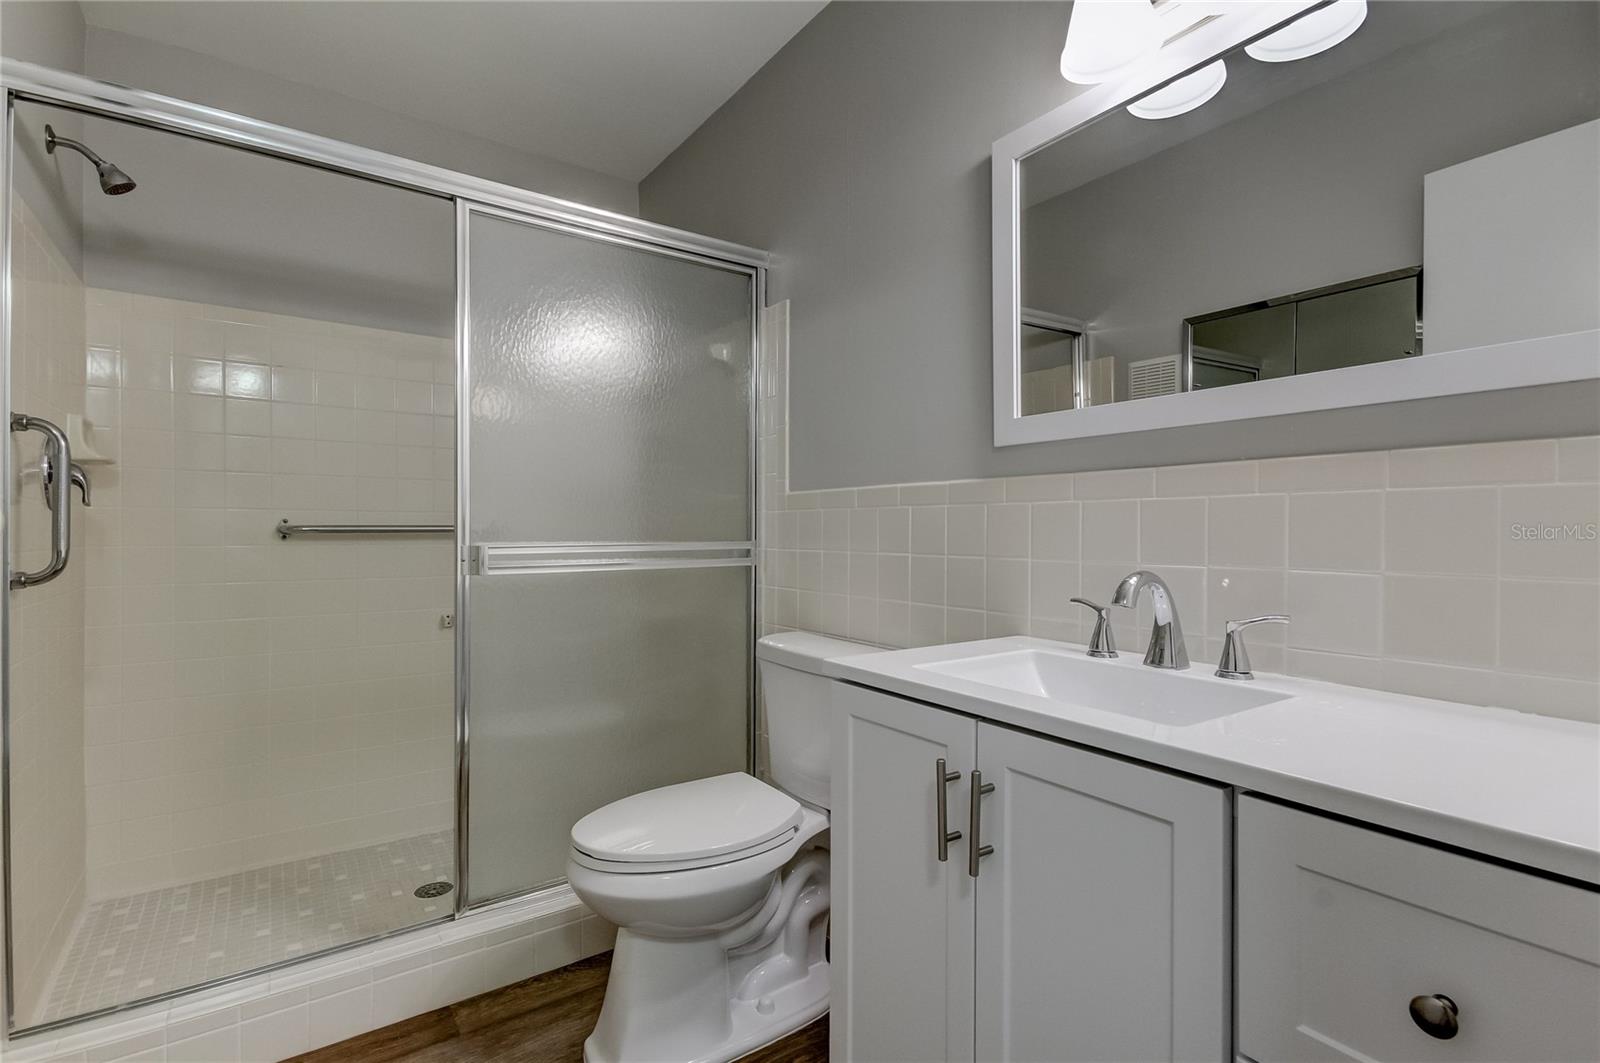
(609, 611)
(611, 390)
(588, 687)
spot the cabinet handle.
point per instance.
(941, 781)
(975, 850)
(1436, 1015)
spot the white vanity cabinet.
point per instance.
(1341, 928)
(1096, 929)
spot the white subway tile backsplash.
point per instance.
(1120, 483)
(1578, 459)
(1402, 569)
(925, 580)
(1550, 531)
(1110, 531)
(934, 494)
(1052, 585)
(1247, 530)
(1450, 620)
(1336, 612)
(873, 496)
(1220, 478)
(1336, 532)
(928, 530)
(964, 625)
(1242, 593)
(1008, 530)
(1452, 530)
(864, 529)
(1006, 586)
(1054, 535)
(977, 491)
(966, 530)
(1327, 472)
(1172, 531)
(894, 577)
(965, 582)
(1055, 488)
(1549, 628)
(1519, 461)
(894, 530)
(925, 625)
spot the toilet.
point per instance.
(719, 887)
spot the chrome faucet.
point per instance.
(1101, 643)
(1166, 648)
(1235, 662)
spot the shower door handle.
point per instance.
(55, 468)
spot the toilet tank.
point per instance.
(795, 690)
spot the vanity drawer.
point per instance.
(1340, 927)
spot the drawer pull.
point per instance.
(1436, 1015)
(943, 835)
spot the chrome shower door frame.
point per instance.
(465, 561)
(32, 83)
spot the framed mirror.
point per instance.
(1263, 217)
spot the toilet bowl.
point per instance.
(718, 887)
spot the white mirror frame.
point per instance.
(1546, 360)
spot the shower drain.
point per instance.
(433, 889)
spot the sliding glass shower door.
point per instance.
(607, 529)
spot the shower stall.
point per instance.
(366, 524)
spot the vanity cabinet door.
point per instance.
(1103, 911)
(1342, 929)
(902, 919)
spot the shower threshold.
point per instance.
(153, 943)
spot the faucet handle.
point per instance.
(1235, 662)
(1101, 642)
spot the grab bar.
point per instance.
(285, 529)
(55, 468)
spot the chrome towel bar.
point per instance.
(286, 530)
(496, 559)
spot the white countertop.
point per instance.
(1511, 785)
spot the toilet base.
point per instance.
(716, 998)
(792, 1007)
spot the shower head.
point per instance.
(113, 182)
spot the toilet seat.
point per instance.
(690, 825)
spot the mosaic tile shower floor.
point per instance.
(145, 944)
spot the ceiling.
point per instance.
(611, 86)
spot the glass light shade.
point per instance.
(1106, 37)
(1317, 32)
(1183, 95)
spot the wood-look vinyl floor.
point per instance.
(541, 1020)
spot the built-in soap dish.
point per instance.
(83, 451)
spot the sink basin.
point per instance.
(1125, 687)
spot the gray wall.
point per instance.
(1322, 187)
(52, 34)
(189, 75)
(859, 156)
(210, 225)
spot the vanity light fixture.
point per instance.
(1316, 32)
(1183, 95)
(1107, 37)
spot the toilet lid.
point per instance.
(705, 818)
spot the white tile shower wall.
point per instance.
(253, 700)
(46, 626)
(1470, 573)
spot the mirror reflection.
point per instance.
(1315, 214)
